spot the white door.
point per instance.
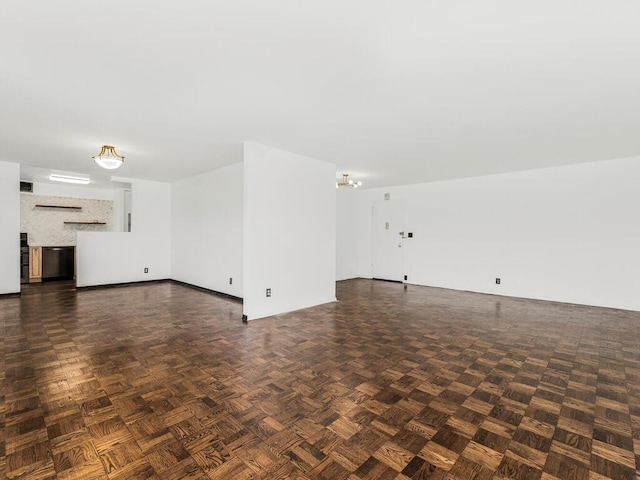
(388, 230)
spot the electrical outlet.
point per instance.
(230, 280)
(268, 292)
(497, 281)
(146, 270)
(405, 277)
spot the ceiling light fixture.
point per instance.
(347, 183)
(108, 158)
(67, 179)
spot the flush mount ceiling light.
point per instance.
(108, 158)
(67, 179)
(347, 183)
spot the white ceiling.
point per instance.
(392, 92)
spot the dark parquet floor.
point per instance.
(163, 381)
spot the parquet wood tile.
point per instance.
(161, 381)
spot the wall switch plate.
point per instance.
(146, 270)
(268, 292)
(387, 196)
(497, 281)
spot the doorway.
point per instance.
(388, 232)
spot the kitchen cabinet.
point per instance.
(35, 264)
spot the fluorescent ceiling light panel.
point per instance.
(67, 179)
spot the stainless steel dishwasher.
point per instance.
(58, 263)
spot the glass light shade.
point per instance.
(108, 158)
(109, 163)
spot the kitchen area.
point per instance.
(39, 264)
(49, 223)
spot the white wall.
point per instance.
(289, 231)
(118, 210)
(347, 226)
(118, 257)
(56, 190)
(567, 234)
(206, 230)
(9, 227)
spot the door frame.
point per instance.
(402, 203)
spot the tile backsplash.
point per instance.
(46, 226)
